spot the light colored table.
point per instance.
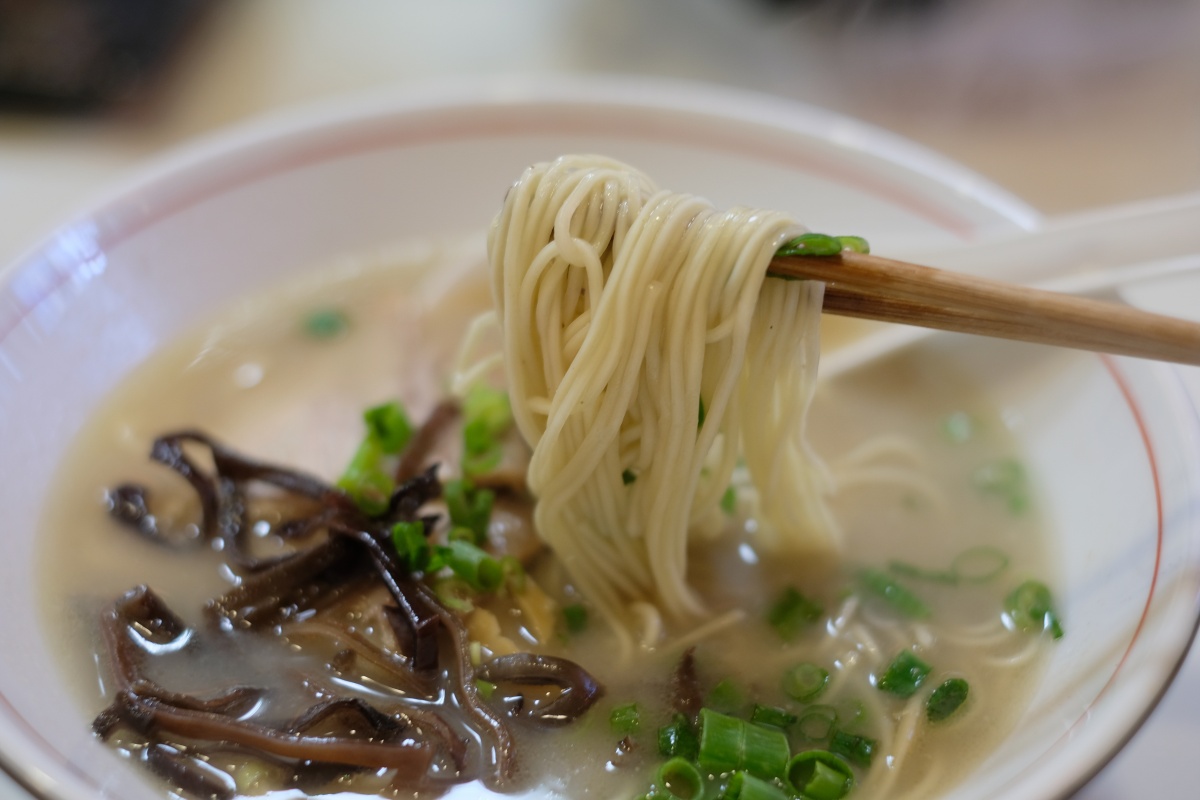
(1068, 109)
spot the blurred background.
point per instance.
(1069, 104)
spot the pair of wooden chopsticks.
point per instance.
(872, 287)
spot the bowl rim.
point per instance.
(122, 211)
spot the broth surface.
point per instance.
(256, 381)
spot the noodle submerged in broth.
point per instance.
(695, 599)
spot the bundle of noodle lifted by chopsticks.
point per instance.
(649, 358)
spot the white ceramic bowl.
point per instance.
(1114, 443)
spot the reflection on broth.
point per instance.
(937, 520)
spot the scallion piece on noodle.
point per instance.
(811, 244)
(855, 244)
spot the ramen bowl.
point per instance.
(1113, 445)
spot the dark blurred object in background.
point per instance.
(863, 9)
(80, 55)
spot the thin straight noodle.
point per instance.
(622, 309)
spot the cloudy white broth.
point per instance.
(896, 664)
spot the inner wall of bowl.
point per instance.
(107, 292)
(1112, 447)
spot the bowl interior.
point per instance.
(1114, 445)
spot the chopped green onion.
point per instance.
(576, 617)
(728, 744)
(805, 682)
(743, 786)
(897, 596)
(412, 546)
(365, 478)
(469, 507)
(480, 570)
(725, 696)
(729, 500)
(904, 675)
(625, 719)
(680, 778)
(958, 427)
(455, 593)
(817, 723)
(486, 688)
(389, 424)
(946, 699)
(678, 739)
(855, 244)
(326, 323)
(855, 749)
(628, 476)
(487, 416)
(792, 612)
(811, 244)
(772, 715)
(819, 775)
(1030, 608)
(1005, 478)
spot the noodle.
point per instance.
(646, 354)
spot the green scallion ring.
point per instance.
(819, 775)
(743, 786)
(680, 778)
(817, 723)
(805, 682)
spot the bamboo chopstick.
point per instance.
(872, 287)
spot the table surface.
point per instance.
(1069, 105)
